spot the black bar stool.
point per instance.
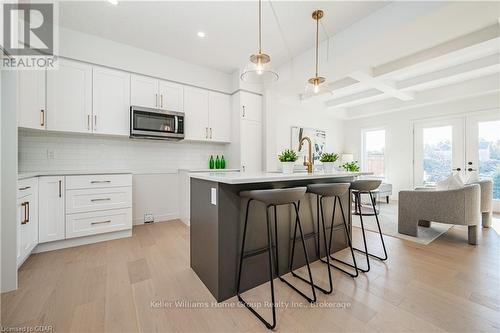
(272, 199)
(366, 186)
(335, 191)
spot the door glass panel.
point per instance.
(437, 157)
(489, 153)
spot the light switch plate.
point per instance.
(213, 196)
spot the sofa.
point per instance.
(459, 206)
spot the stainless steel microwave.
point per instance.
(150, 123)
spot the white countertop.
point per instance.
(263, 177)
(24, 175)
(210, 170)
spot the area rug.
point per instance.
(388, 218)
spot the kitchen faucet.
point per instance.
(309, 163)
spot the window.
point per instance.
(373, 159)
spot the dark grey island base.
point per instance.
(217, 219)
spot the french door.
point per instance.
(464, 145)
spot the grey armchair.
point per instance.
(461, 206)
(486, 201)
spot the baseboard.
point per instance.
(186, 221)
(158, 218)
(65, 243)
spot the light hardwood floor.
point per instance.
(128, 285)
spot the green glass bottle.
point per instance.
(211, 163)
(217, 162)
(222, 162)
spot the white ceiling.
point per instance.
(170, 27)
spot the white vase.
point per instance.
(287, 167)
(328, 167)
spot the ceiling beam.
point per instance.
(363, 97)
(386, 87)
(460, 44)
(467, 89)
(473, 69)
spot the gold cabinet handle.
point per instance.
(60, 188)
(24, 188)
(28, 208)
(42, 118)
(24, 221)
(100, 199)
(100, 222)
(100, 181)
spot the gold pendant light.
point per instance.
(259, 70)
(316, 81)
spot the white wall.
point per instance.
(398, 125)
(8, 213)
(90, 48)
(154, 164)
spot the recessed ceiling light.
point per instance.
(113, 2)
(201, 34)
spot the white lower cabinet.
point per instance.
(27, 218)
(51, 212)
(97, 204)
(92, 223)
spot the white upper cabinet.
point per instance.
(251, 107)
(219, 106)
(32, 113)
(171, 96)
(51, 209)
(111, 101)
(158, 94)
(69, 97)
(144, 91)
(196, 114)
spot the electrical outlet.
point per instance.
(51, 154)
(149, 218)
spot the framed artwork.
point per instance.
(318, 140)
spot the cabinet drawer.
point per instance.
(88, 200)
(98, 181)
(85, 224)
(26, 187)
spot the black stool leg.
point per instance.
(358, 200)
(349, 242)
(327, 251)
(297, 223)
(379, 232)
(268, 325)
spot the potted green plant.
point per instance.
(287, 159)
(328, 160)
(351, 166)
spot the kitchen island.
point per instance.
(217, 219)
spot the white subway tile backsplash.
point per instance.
(76, 152)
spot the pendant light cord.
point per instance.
(317, 36)
(260, 26)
